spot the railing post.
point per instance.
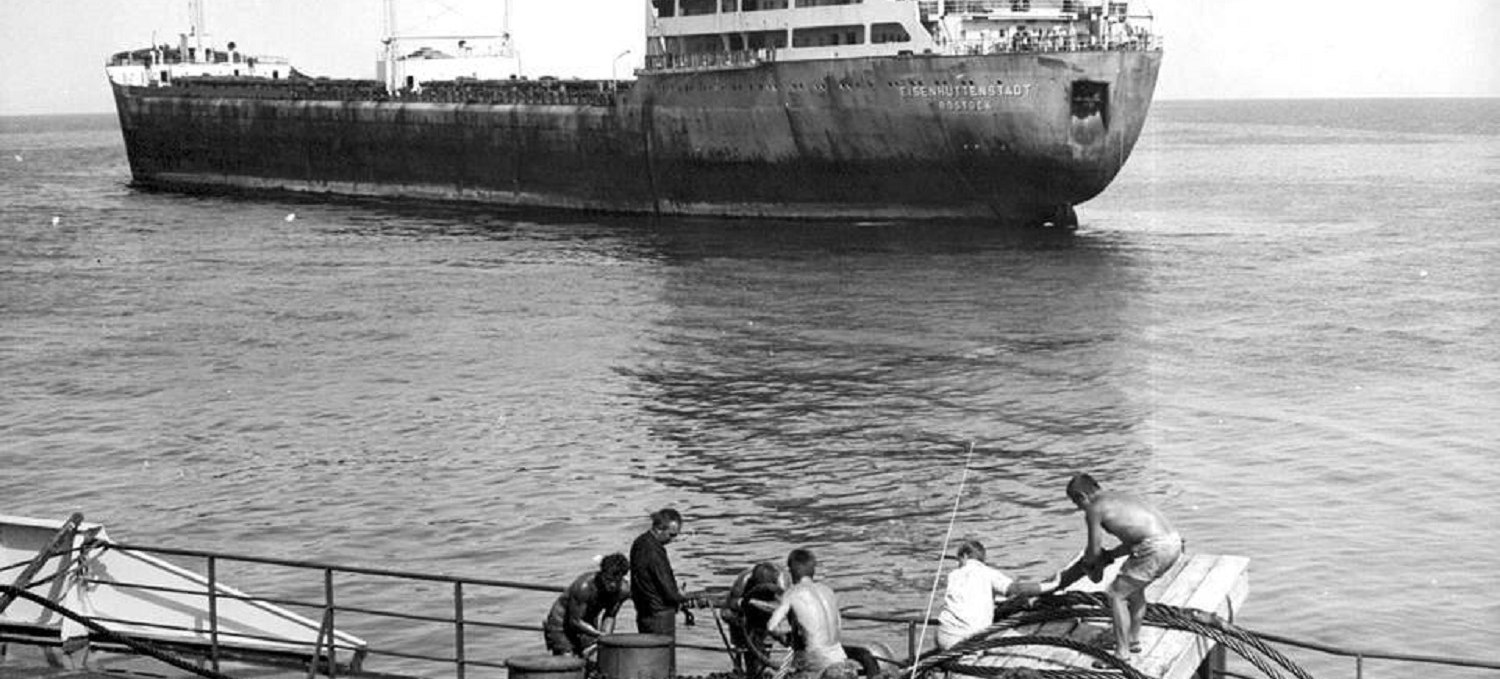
(458, 626)
(333, 664)
(324, 631)
(911, 640)
(213, 612)
(1359, 666)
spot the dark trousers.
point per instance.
(660, 622)
(570, 642)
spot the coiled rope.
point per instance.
(1080, 605)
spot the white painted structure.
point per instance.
(143, 596)
(195, 55)
(407, 61)
(802, 30)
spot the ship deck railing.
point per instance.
(695, 62)
(708, 61)
(527, 92)
(448, 624)
(1054, 43)
(1023, 8)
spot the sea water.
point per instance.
(1279, 324)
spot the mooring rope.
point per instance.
(139, 646)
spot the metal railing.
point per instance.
(708, 61)
(1360, 656)
(459, 621)
(1039, 7)
(1043, 42)
(536, 92)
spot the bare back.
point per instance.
(1129, 518)
(815, 609)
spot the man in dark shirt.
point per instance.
(751, 599)
(586, 611)
(653, 587)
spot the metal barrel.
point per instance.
(637, 656)
(544, 667)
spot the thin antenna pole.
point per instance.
(195, 17)
(388, 22)
(952, 518)
(388, 27)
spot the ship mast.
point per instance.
(388, 28)
(195, 21)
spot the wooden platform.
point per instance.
(1216, 584)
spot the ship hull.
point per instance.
(1013, 137)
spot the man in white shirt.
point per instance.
(973, 589)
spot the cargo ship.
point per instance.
(1011, 111)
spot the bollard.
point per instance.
(637, 656)
(544, 667)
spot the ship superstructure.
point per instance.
(999, 109)
(682, 32)
(195, 54)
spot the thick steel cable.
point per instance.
(1117, 665)
(142, 647)
(1080, 605)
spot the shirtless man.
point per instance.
(1152, 543)
(587, 610)
(815, 622)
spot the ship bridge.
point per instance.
(686, 35)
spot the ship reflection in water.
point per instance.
(780, 363)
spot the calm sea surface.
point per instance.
(1279, 323)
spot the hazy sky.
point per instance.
(52, 52)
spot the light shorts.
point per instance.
(1149, 560)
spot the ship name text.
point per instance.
(959, 92)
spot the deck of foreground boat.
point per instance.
(1212, 583)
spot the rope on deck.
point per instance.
(1014, 613)
(139, 646)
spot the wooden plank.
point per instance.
(1222, 592)
(1174, 589)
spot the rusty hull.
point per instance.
(1012, 137)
